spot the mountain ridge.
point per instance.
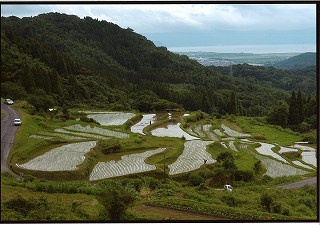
(73, 62)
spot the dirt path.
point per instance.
(166, 213)
(310, 181)
(8, 133)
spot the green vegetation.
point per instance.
(63, 62)
(96, 201)
(297, 62)
(3, 114)
(100, 65)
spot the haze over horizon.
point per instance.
(271, 28)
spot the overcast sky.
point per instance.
(199, 24)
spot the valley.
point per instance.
(170, 157)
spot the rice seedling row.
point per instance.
(63, 158)
(303, 148)
(285, 149)
(310, 158)
(40, 136)
(129, 164)
(97, 130)
(87, 135)
(228, 139)
(172, 130)
(144, 122)
(266, 149)
(190, 131)
(223, 145)
(298, 163)
(232, 146)
(65, 136)
(219, 133)
(210, 134)
(278, 169)
(233, 133)
(193, 156)
(199, 131)
(111, 118)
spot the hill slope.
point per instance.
(59, 59)
(297, 62)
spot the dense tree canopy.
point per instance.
(86, 62)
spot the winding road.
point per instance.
(8, 133)
(310, 181)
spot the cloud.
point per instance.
(151, 18)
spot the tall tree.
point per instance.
(300, 111)
(279, 114)
(293, 117)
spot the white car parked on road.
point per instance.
(17, 122)
(8, 102)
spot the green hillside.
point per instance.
(297, 62)
(59, 59)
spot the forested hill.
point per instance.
(298, 62)
(59, 59)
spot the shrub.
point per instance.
(202, 187)
(116, 200)
(302, 209)
(230, 200)
(28, 178)
(276, 207)
(245, 176)
(259, 137)
(195, 180)
(310, 137)
(110, 146)
(266, 178)
(266, 201)
(86, 119)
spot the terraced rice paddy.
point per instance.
(64, 158)
(266, 149)
(310, 158)
(40, 136)
(172, 130)
(303, 148)
(145, 121)
(233, 133)
(193, 156)
(111, 118)
(198, 130)
(97, 130)
(86, 135)
(206, 128)
(285, 149)
(232, 146)
(219, 133)
(278, 169)
(65, 136)
(223, 145)
(190, 131)
(129, 164)
(302, 165)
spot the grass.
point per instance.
(272, 134)
(3, 114)
(88, 204)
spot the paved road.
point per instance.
(310, 181)
(8, 133)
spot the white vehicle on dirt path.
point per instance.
(228, 187)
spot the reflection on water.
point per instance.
(172, 130)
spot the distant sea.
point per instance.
(257, 49)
